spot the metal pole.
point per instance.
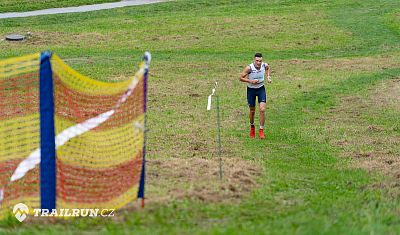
(219, 141)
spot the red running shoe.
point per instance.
(252, 132)
(261, 133)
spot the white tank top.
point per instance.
(257, 74)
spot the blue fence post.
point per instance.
(47, 135)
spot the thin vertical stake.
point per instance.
(147, 59)
(219, 141)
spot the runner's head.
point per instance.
(258, 60)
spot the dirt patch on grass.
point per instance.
(199, 179)
(39, 38)
(388, 94)
(367, 129)
(332, 66)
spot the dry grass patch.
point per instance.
(372, 146)
(388, 94)
(197, 178)
(332, 66)
(48, 39)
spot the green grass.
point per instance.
(31, 5)
(319, 51)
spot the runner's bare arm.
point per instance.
(268, 73)
(244, 76)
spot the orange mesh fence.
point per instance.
(19, 128)
(99, 136)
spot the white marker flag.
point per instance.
(209, 97)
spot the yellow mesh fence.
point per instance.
(99, 128)
(101, 167)
(19, 128)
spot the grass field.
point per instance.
(330, 162)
